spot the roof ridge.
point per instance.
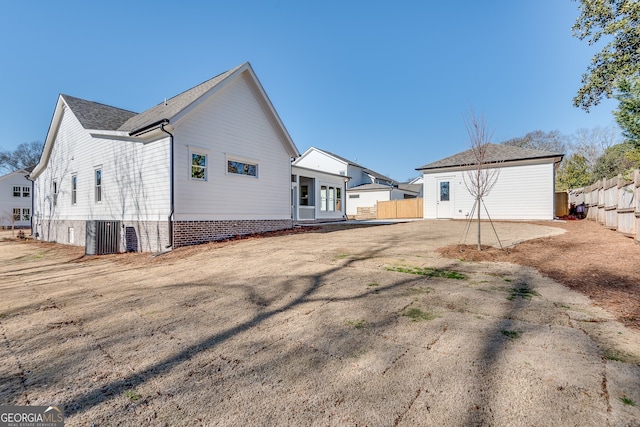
(230, 71)
(65, 96)
(174, 105)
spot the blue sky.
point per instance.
(386, 84)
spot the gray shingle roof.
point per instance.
(370, 187)
(93, 115)
(168, 109)
(410, 187)
(496, 153)
(352, 163)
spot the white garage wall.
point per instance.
(522, 192)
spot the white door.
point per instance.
(444, 202)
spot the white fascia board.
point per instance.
(496, 165)
(61, 106)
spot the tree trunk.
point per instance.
(478, 201)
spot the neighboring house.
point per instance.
(358, 178)
(207, 164)
(524, 189)
(317, 196)
(368, 195)
(15, 200)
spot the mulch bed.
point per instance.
(589, 258)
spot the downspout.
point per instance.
(171, 183)
(28, 177)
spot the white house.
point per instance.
(524, 189)
(368, 195)
(316, 195)
(364, 187)
(207, 164)
(15, 200)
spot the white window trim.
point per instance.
(242, 159)
(74, 192)
(19, 192)
(95, 184)
(202, 152)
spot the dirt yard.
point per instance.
(332, 326)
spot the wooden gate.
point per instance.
(397, 209)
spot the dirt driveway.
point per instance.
(327, 327)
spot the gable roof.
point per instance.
(101, 117)
(23, 172)
(352, 163)
(172, 106)
(415, 188)
(371, 187)
(93, 115)
(496, 153)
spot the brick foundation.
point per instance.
(136, 236)
(186, 233)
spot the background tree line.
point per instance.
(590, 154)
(25, 155)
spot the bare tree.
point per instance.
(592, 143)
(481, 177)
(25, 155)
(539, 140)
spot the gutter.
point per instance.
(28, 177)
(159, 125)
(150, 127)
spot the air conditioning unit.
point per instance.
(103, 237)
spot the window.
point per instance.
(74, 188)
(23, 214)
(332, 200)
(444, 191)
(55, 193)
(26, 191)
(199, 166)
(98, 192)
(339, 199)
(242, 168)
(304, 195)
(16, 191)
(328, 198)
(354, 196)
(323, 198)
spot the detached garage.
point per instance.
(524, 188)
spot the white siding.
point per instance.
(320, 179)
(135, 178)
(8, 202)
(523, 192)
(232, 122)
(318, 160)
(365, 199)
(358, 176)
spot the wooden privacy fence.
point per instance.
(406, 208)
(614, 203)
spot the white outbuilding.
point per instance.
(524, 188)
